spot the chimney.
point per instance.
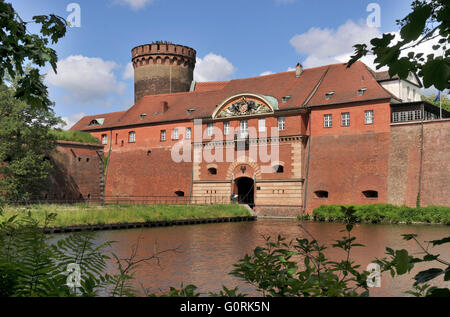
(164, 106)
(298, 70)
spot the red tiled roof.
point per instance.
(110, 119)
(345, 83)
(308, 89)
(210, 86)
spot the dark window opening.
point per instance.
(79, 159)
(149, 152)
(89, 196)
(370, 194)
(179, 193)
(87, 160)
(321, 194)
(212, 171)
(278, 169)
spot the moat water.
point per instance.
(206, 253)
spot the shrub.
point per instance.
(385, 213)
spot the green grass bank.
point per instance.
(85, 215)
(384, 213)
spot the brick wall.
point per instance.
(404, 163)
(78, 172)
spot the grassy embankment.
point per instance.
(81, 215)
(383, 213)
(74, 136)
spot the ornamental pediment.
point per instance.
(246, 105)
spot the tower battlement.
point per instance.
(162, 67)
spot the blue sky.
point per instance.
(233, 39)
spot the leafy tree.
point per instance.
(25, 146)
(428, 20)
(445, 101)
(19, 46)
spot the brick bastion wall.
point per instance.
(406, 177)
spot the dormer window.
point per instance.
(361, 91)
(328, 95)
(142, 116)
(285, 99)
(95, 122)
(190, 111)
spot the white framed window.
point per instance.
(188, 133)
(404, 116)
(226, 128)
(244, 128)
(345, 119)
(104, 139)
(210, 129)
(163, 135)
(328, 121)
(418, 115)
(262, 125)
(175, 135)
(368, 117)
(281, 123)
(132, 137)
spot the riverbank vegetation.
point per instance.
(83, 215)
(383, 213)
(34, 265)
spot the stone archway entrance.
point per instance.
(245, 189)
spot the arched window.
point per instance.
(321, 194)
(370, 194)
(179, 193)
(279, 169)
(212, 171)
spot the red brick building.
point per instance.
(284, 143)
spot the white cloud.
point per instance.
(71, 120)
(135, 4)
(129, 72)
(267, 73)
(328, 46)
(86, 79)
(213, 68)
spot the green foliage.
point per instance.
(427, 21)
(400, 262)
(384, 213)
(25, 146)
(74, 136)
(19, 46)
(301, 268)
(32, 267)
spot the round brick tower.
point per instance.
(162, 68)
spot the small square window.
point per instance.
(210, 129)
(368, 115)
(262, 125)
(281, 123)
(175, 135)
(226, 128)
(345, 119)
(132, 137)
(188, 133)
(328, 121)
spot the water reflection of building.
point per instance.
(343, 135)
